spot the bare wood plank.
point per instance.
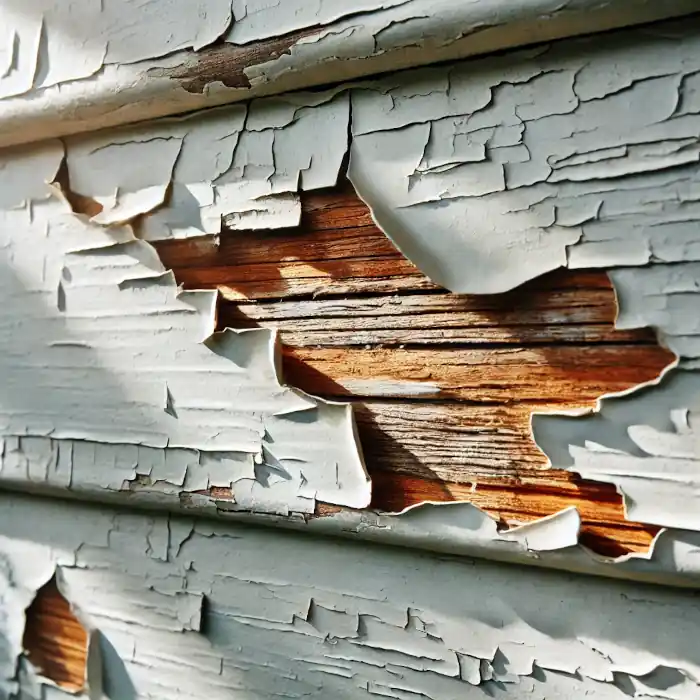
(575, 375)
(439, 319)
(449, 441)
(443, 385)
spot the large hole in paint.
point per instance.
(434, 423)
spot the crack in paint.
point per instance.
(306, 620)
(492, 143)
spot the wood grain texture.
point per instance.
(443, 384)
(54, 640)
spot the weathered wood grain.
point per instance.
(443, 384)
(524, 498)
(54, 640)
(441, 319)
(576, 374)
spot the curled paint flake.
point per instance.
(91, 392)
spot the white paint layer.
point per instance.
(646, 443)
(112, 373)
(192, 610)
(180, 178)
(88, 65)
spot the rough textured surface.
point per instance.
(357, 322)
(533, 156)
(243, 162)
(86, 65)
(572, 155)
(113, 373)
(197, 611)
(496, 170)
(647, 444)
(55, 642)
(116, 386)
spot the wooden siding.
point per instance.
(443, 384)
(54, 640)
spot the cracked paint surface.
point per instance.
(113, 373)
(514, 165)
(647, 443)
(99, 64)
(485, 174)
(578, 155)
(198, 612)
(461, 528)
(49, 44)
(241, 162)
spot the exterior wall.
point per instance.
(442, 385)
(87, 65)
(119, 386)
(191, 609)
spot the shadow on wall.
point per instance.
(116, 681)
(36, 318)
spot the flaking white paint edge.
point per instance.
(576, 155)
(113, 374)
(87, 67)
(252, 157)
(454, 528)
(199, 612)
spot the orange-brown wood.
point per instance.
(517, 500)
(54, 640)
(443, 385)
(578, 373)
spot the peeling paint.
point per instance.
(49, 43)
(21, 576)
(56, 643)
(520, 164)
(239, 163)
(90, 399)
(646, 443)
(520, 156)
(460, 528)
(88, 65)
(306, 619)
(514, 164)
(486, 174)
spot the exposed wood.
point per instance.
(576, 374)
(319, 46)
(441, 319)
(226, 63)
(521, 499)
(54, 640)
(443, 384)
(336, 251)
